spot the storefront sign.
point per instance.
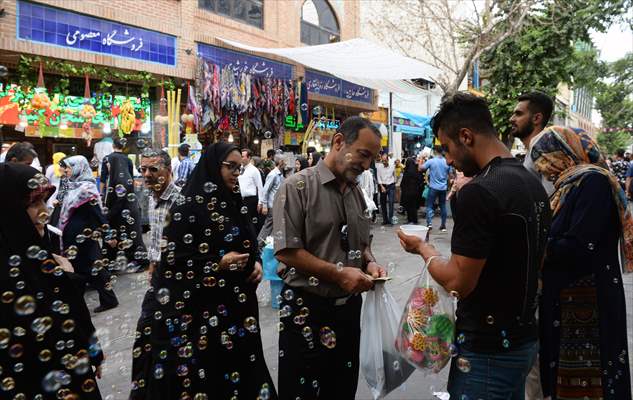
(40, 23)
(328, 85)
(16, 106)
(242, 62)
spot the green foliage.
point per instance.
(611, 141)
(27, 72)
(549, 50)
(613, 97)
(615, 103)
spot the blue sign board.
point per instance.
(242, 62)
(328, 85)
(40, 23)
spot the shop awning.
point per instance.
(358, 61)
(410, 124)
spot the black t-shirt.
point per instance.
(502, 215)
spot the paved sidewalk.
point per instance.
(116, 327)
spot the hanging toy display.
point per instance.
(161, 119)
(128, 118)
(87, 112)
(187, 121)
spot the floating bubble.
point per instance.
(15, 260)
(327, 337)
(203, 248)
(209, 187)
(25, 305)
(490, 320)
(463, 365)
(268, 134)
(5, 336)
(41, 325)
(188, 238)
(250, 324)
(162, 296)
(32, 252)
(313, 281)
(42, 217)
(461, 338)
(120, 190)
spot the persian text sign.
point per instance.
(40, 23)
(328, 85)
(242, 62)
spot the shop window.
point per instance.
(248, 11)
(318, 23)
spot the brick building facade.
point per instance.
(185, 19)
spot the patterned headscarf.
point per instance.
(82, 188)
(565, 156)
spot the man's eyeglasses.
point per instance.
(152, 169)
(233, 167)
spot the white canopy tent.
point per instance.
(358, 61)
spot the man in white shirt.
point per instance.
(386, 173)
(5, 149)
(272, 185)
(251, 187)
(529, 118)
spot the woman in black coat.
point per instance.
(198, 335)
(81, 222)
(411, 189)
(40, 307)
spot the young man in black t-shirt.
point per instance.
(502, 218)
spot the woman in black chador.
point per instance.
(124, 214)
(48, 349)
(198, 335)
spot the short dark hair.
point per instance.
(162, 154)
(619, 153)
(249, 152)
(270, 153)
(352, 126)
(539, 102)
(183, 150)
(118, 143)
(20, 151)
(462, 110)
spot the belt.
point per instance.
(333, 301)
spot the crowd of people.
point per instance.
(538, 249)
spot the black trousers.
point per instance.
(251, 203)
(319, 354)
(412, 214)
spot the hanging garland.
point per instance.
(26, 74)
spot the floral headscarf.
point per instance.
(565, 156)
(82, 188)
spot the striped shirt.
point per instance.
(158, 210)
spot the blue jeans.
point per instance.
(430, 202)
(387, 197)
(499, 376)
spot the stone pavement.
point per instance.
(116, 327)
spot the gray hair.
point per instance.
(279, 158)
(162, 154)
